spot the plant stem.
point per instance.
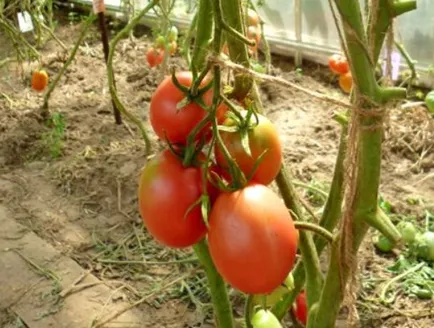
(219, 296)
(110, 75)
(314, 278)
(203, 36)
(325, 234)
(105, 47)
(87, 23)
(231, 11)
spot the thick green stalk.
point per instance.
(203, 36)
(217, 286)
(369, 139)
(332, 209)
(314, 278)
(231, 12)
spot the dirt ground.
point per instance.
(76, 215)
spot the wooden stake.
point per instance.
(99, 8)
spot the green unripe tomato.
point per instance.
(408, 231)
(258, 68)
(265, 319)
(160, 42)
(272, 298)
(383, 244)
(429, 101)
(173, 34)
(425, 246)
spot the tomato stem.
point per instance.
(217, 285)
(110, 74)
(365, 140)
(327, 235)
(203, 36)
(87, 24)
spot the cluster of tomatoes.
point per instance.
(250, 232)
(338, 64)
(155, 54)
(39, 80)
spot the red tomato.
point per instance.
(166, 192)
(338, 64)
(173, 46)
(39, 80)
(252, 239)
(252, 18)
(154, 57)
(176, 123)
(346, 82)
(262, 137)
(300, 308)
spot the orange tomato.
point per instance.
(252, 18)
(346, 82)
(338, 64)
(39, 80)
(263, 137)
(173, 46)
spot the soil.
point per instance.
(77, 212)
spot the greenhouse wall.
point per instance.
(306, 28)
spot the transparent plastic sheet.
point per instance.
(319, 37)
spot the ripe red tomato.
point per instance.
(166, 192)
(39, 80)
(176, 123)
(154, 57)
(262, 137)
(338, 64)
(252, 18)
(300, 308)
(252, 239)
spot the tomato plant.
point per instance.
(265, 319)
(338, 64)
(39, 80)
(262, 139)
(169, 119)
(300, 308)
(154, 57)
(167, 191)
(346, 82)
(408, 231)
(252, 239)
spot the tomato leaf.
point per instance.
(192, 206)
(205, 207)
(257, 163)
(245, 141)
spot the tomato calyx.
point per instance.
(192, 94)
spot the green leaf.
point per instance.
(205, 208)
(257, 163)
(244, 134)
